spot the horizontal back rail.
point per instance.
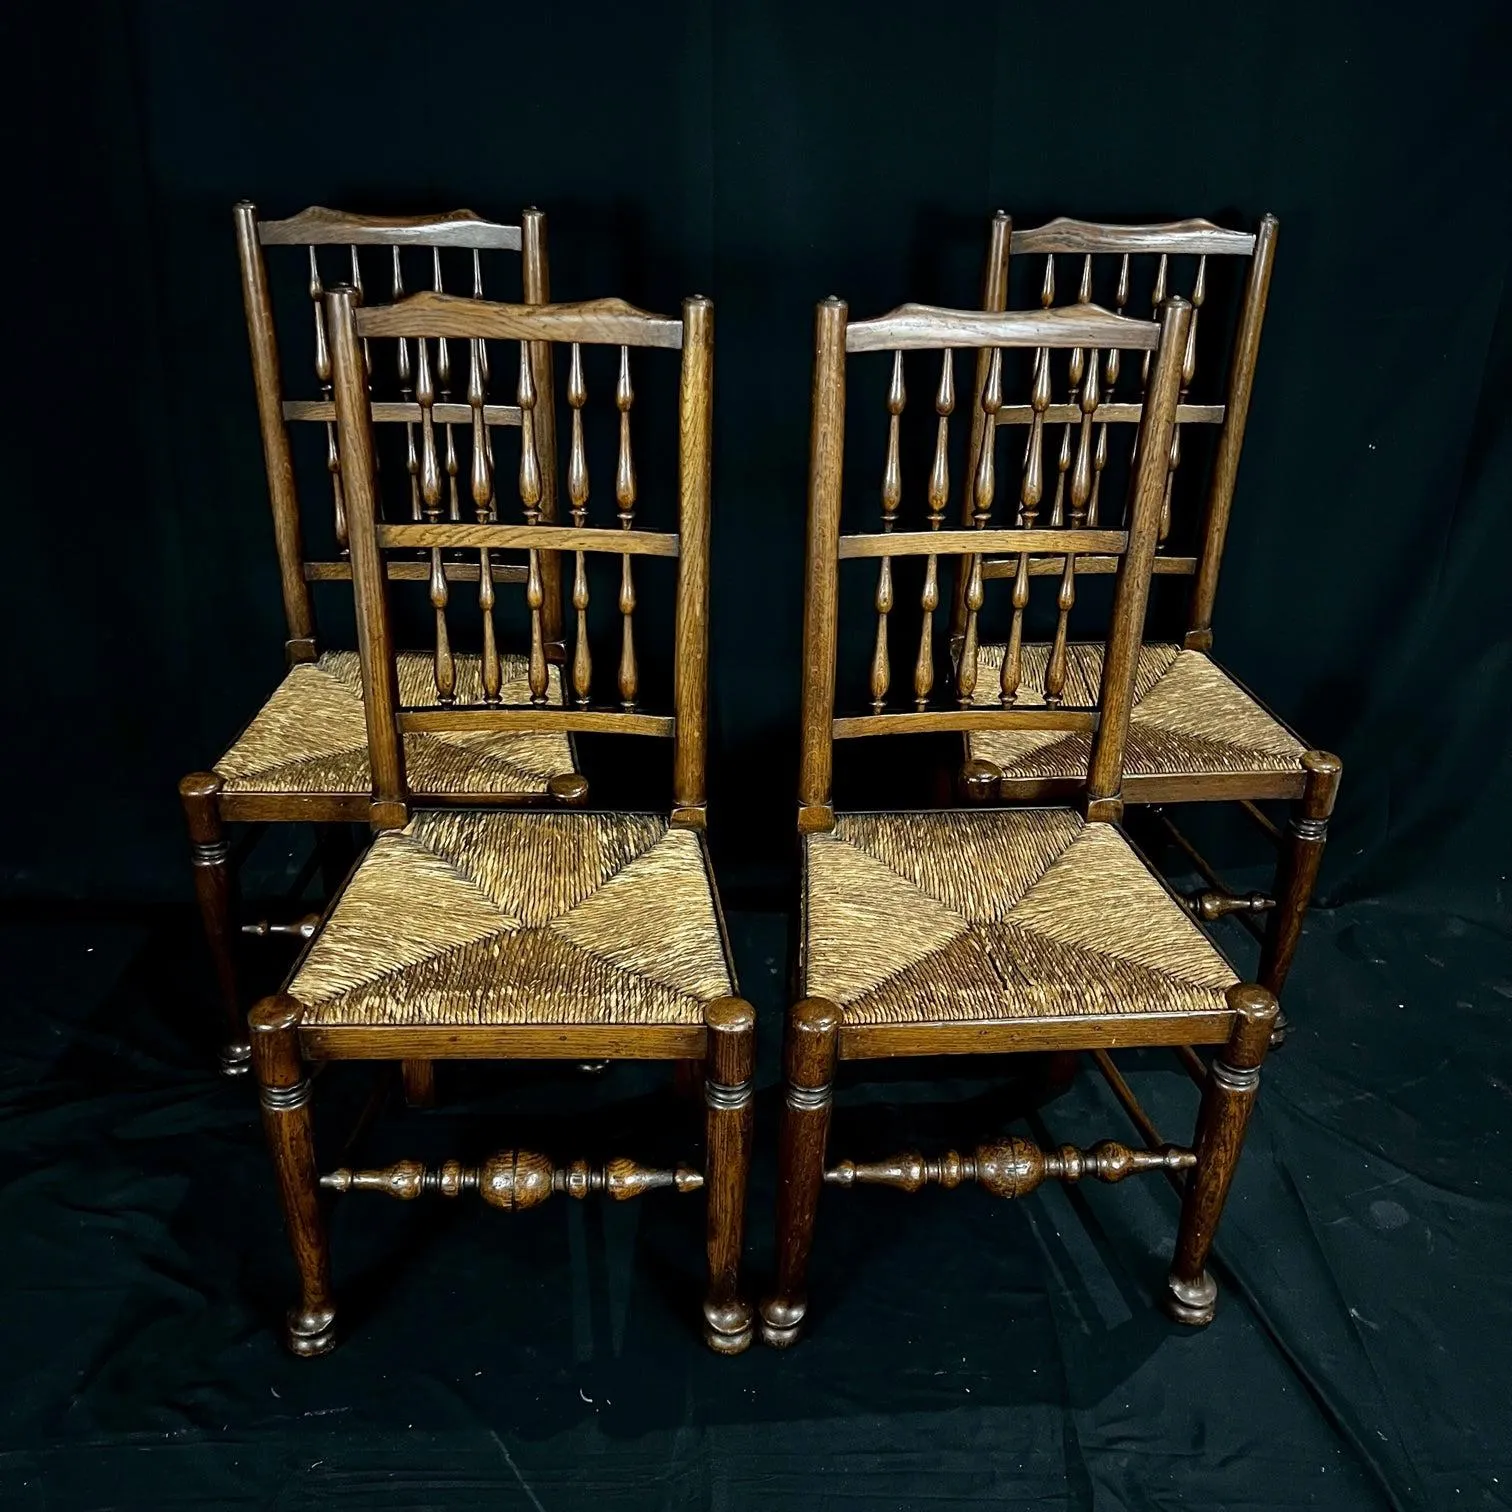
(417, 572)
(918, 327)
(599, 322)
(1195, 237)
(320, 227)
(531, 538)
(967, 542)
(404, 411)
(933, 721)
(1086, 566)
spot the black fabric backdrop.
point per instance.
(766, 155)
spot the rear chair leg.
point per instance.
(213, 886)
(730, 1068)
(419, 1077)
(284, 1091)
(1298, 872)
(1228, 1099)
(813, 1041)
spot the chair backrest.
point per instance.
(342, 235)
(428, 319)
(1089, 335)
(1120, 263)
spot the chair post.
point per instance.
(730, 1066)
(380, 689)
(536, 285)
(284, 1091)
(1228, 1099)
(214, 888)
(299, 614)
(1298, 873)
(690, 688)
(813, 1041)
(1132, 593)
(821, 588)
(1220, 501)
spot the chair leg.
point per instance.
(284, 1091)
(419, 1077)
(214, 888)
(1298, 873)
(813, 1042)
(730, 1068)
(1228, 1099)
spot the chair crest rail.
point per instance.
(319, 226)
(917, 327)
(604, 322)
(1194, 237)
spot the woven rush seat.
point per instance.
(1018, 914)
(311, 736)
(1190, 719)
(555, 917)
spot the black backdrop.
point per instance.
(767, 155)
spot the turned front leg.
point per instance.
(813, 1035)
(730, 1068)
(284, 1091)
(215, 892)
(1228, 1099)
(1298, 872)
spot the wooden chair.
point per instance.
(470, 933)
(1196, 732)
(303, 756)
(976, 931)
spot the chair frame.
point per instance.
(818, 1035)
(208, 807)
(285, 1048)
(1312, 790)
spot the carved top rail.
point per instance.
(602, 322)
(1195, 237)
(918, 327)
(319, 227)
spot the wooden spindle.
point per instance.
(1188, 372)
(367, 356)
(624, 497)
(892, 494)
(407, 391)
(1111, 368)
(483, 505)
(430, 493)
(1031, 491)
(1074, 379)
(939, 497)
(483, 358)
(983, 494)
(577, 493)
(323, 377)
(530, 499)
(1081, 494)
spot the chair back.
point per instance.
(1124, 265)
(448, 541)
(335, 241)
(960, 701)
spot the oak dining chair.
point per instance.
(971, 931)
(303, 758)
(472, 933)
(1196, 732)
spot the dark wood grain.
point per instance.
(730, 1099)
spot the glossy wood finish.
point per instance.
(214, 889)
(729, 1096)
(321, 228)
(284, 1092)
(809, 1064)
(1055, 511)
(1301, 856)
(1227, 1101)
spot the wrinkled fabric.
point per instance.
(963, 1352)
